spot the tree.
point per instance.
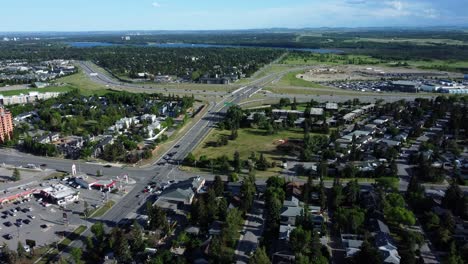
(8, 256)
(16, 175)
(76, 255)
(400, 215)
(300, 240)
(218, 186)
(352, 192)
(455, 200)
(262, 163)
(237, 162)
(336, 194)
(121, 247)
(211, 205)
(157, 218)
(454, 257)
(232, 226)
(367, 254)
(190, 160)
(137, 244)
(247, 193)
(387, 184)
(20, 250)
(260, 257)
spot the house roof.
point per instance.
(183, 195)
(316, 111)
(291, 202)
(331, 106)
(291, 211)
(285, 231)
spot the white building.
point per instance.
(59, 194)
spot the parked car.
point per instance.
(8, 236)
(8, 224)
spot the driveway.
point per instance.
(251, 232)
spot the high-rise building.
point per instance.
(6, 124)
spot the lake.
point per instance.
(188, 45)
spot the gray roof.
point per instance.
(291, 211)
(183, 195)
(316, 111)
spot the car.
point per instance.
(43, 165)
(8, 236)
(18, 209)
(108, 166)
(8, 224)
(26, 221)
(19, 224)
(137, 196)
(26, 248)
(13, 210)
(176, 146)
(4, 216)
(44, 226)
(32, 216)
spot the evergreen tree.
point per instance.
(16, 175)
(260, 257)
(218, 186)
(20, 250)
(237, 162)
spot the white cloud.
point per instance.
(397, 5)
(156, 4)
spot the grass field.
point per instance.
(80, 81)
(40, 90)
(103, 209)
(249, 140)
(290, 79)
(329, 59)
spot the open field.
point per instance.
(249, 140)
(329, 59)
(290, 79)
(363, 60)
(80, 81)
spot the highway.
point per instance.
(129, 204)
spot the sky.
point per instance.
(90, 15)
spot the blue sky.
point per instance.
(63, 15)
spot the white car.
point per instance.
(32, 216)
(27, 249)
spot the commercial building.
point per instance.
(6, 125)
(405, 86)
(19, 194)
(59, 194)
(27, 98)
(452, 90)
(89, 183)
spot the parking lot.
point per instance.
(44, 222)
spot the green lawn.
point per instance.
(290, 79)
(80, 81)
(103, 209)
(329, 59)
(40, 90)
(249, 140)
